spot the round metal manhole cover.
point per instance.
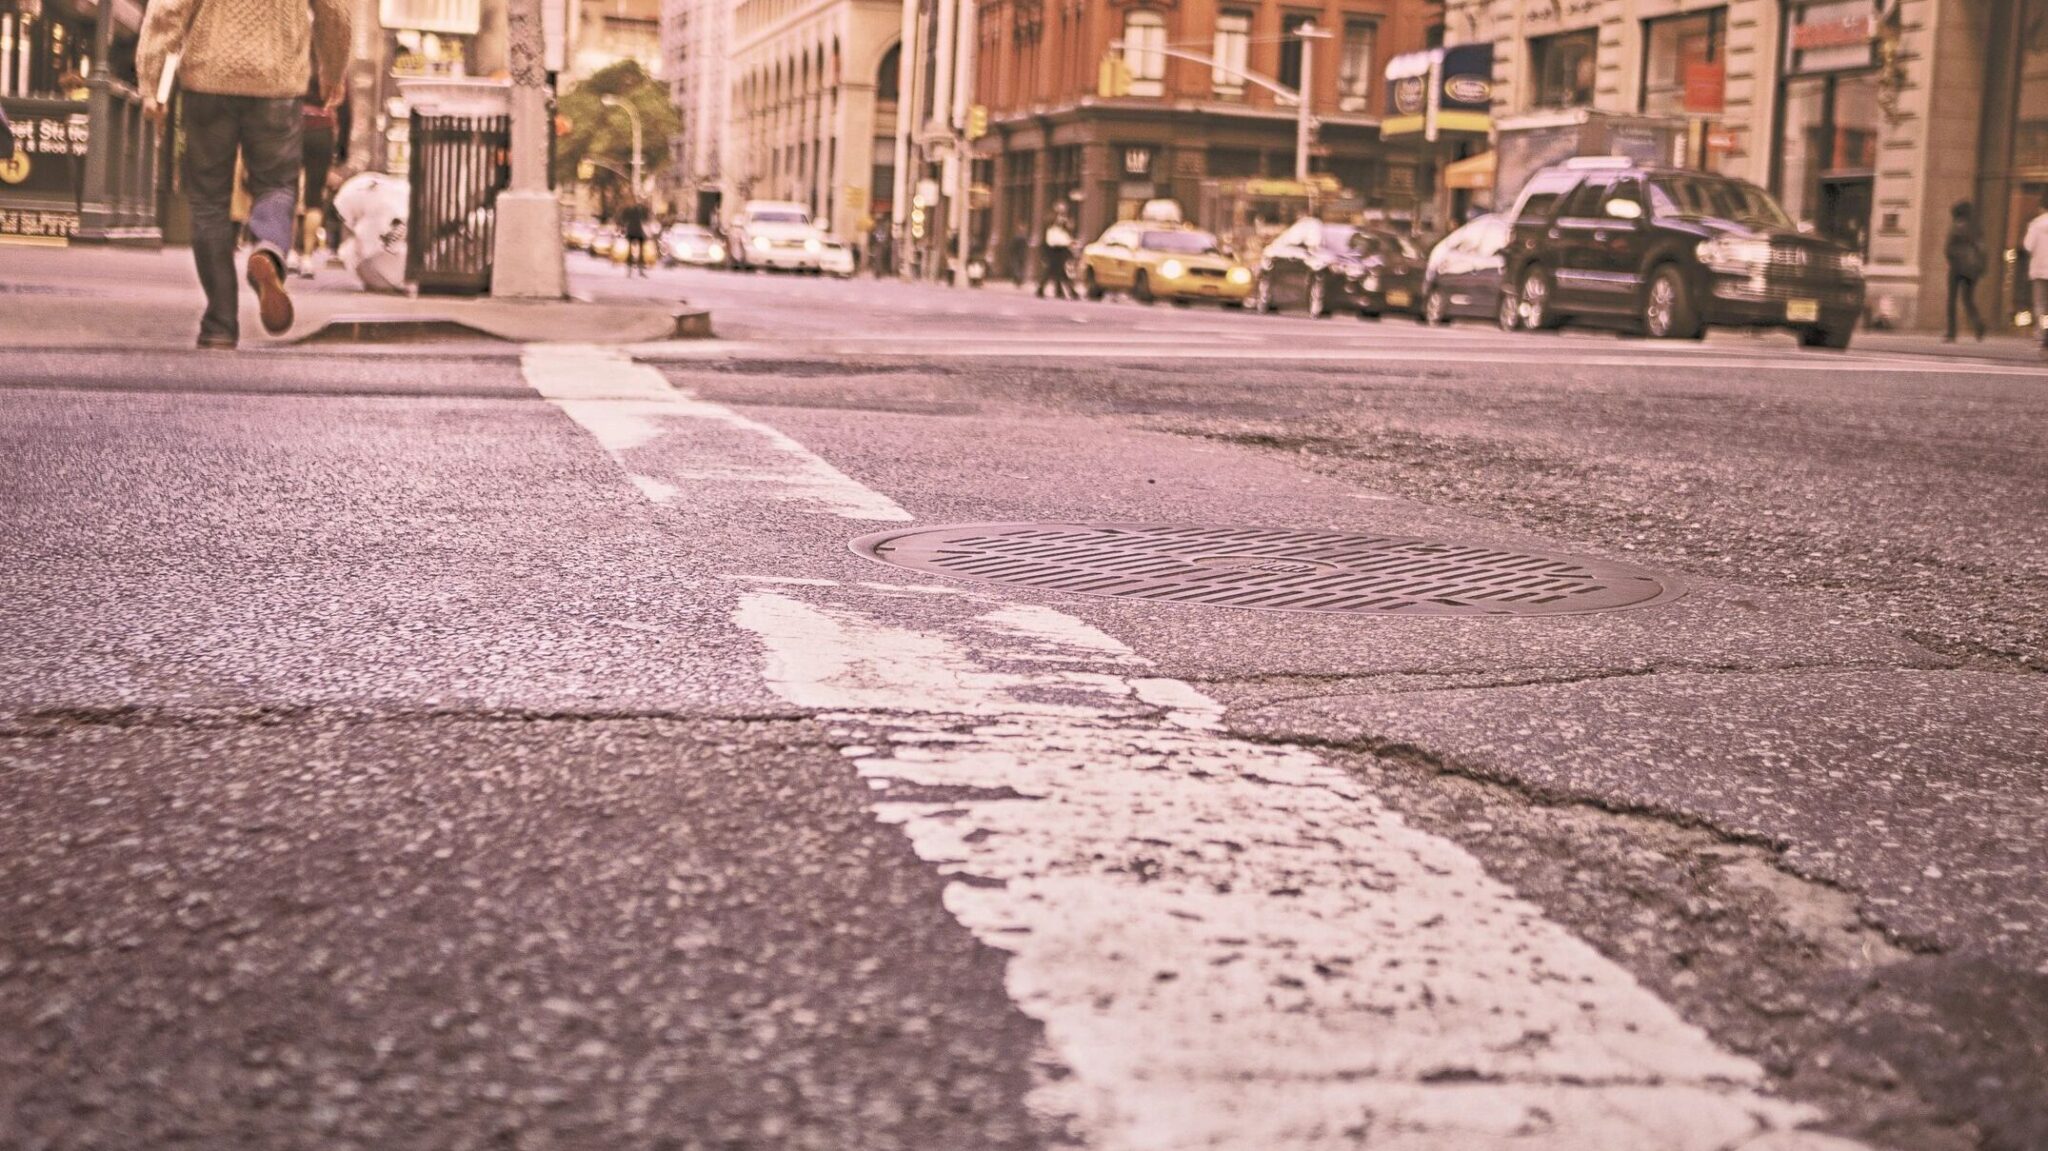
(1272, 570)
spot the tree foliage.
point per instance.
(606, 134)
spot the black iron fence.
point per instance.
(459, 165)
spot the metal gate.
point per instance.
(459, 165)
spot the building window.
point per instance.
(1233, 52)
(1562, 68)
(1355, 66)
(1145, 52)
(1291, 46)
(1829, 115)
(1685, 65)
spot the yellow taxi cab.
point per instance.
(1158, 261)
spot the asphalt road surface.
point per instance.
(481, 746)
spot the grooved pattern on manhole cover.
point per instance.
(1271, 569)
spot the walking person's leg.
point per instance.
(1970, 302)
(2040, 301)
(1955, 287)
(1045, 272)
(212, 136)
(272, 155)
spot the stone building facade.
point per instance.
(810, 113)
(694, 38)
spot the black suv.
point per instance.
(1674, 249)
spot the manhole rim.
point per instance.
(1671, 586)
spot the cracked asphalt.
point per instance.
(383, 770)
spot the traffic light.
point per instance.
(977, 121)
(1113, 78)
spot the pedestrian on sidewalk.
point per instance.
(1019, 256)
(242, 66)
(1965, 252)
(323, 138)
(2035, 244)
(633, 222)
(1057, 249)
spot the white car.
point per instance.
(692, 244)
(837, 259)
(774, 234)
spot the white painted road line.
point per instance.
(628, 406)
(1230, 946)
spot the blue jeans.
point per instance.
(265, 132)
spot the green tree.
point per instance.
(605, 135)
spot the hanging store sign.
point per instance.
(1833, 36)
(1440, 90)
(1137, 161)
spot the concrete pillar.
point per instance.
(527, 256)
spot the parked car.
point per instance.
(1674, 251)
(1156, 261)
(603, 239)
(577, 234)
(1462, 277)
(692, 244)
(1327, 268)
(774, 234)
(837, 259)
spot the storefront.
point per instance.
(2014, 169)
(1829, 118)
(85, 164)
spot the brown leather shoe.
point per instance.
(267, 277)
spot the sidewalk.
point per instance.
(86, 297)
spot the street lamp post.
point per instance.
(527, 260)
(632, 114)
(1303, 121)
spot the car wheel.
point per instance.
(1318, 298)
(1262, 295)
(1533, 301)
(1816, 337)
(1510, 312)
(1089, 285)
(1668, 311)
(1141, 288)
(1435, 309)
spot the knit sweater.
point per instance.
(244, 47)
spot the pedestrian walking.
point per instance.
(242, 68)
(323, 140)
(1965, 252)
(1020, 254)
(633, 222)
(1057, 248)
(882, 249)
(2036, 245)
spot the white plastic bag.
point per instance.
(373, 208)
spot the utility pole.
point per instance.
(1304, 122)
(632, 114)
(526, 256)
(963, 148)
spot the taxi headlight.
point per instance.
(760, 243)
(1240, 275)
(1171, 269)
(813, 246)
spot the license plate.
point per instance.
(1802, 311)
(1397, 299)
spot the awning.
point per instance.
(1472, 172)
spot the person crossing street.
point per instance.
(1058, 248)
(242, 67)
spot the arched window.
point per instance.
(889, 77)
(1145, 52)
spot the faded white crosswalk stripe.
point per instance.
(1230, 945)
(628, 406)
